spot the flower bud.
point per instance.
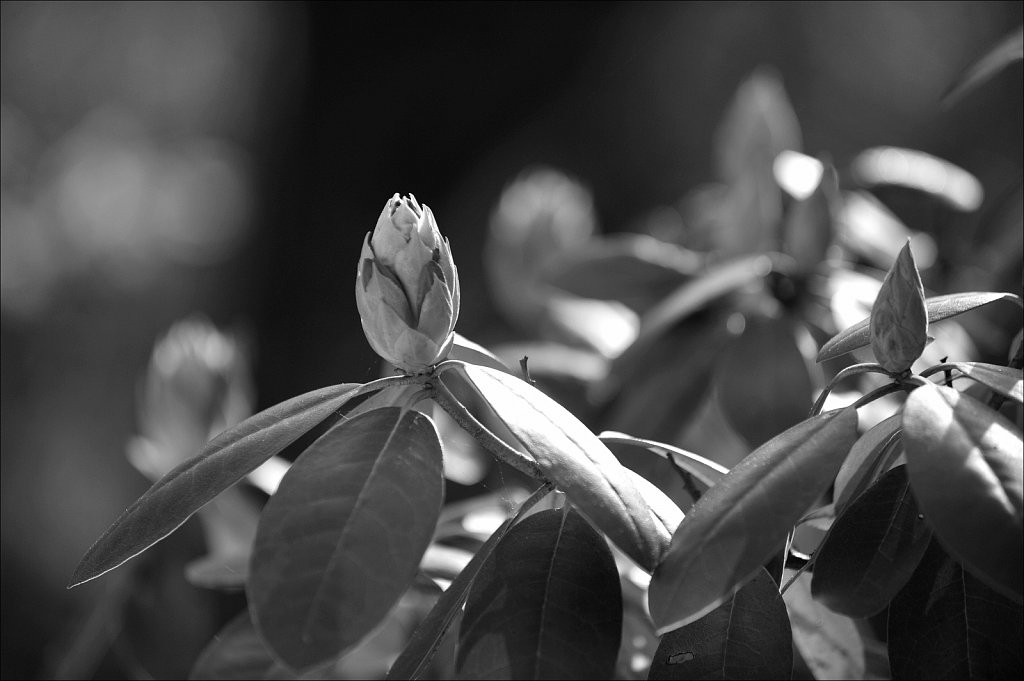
(197, 385)
(407, 287)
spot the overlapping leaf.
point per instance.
(947, 624)
(938, 308)
(223, 462)
(1006, 381)
(428, 636)
(867, 460)
(872, 549)
(966, 465)
(746, 637)
(578, 462)
(743, 520)
(705, 470)
(343, 536)
(546, 604)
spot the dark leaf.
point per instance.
(938, 308)
(222, 463)
(899, 320)
(582, 466)
(945, 624)
(872, 549)
(546, 605)
(866, 461)
(743, 520)
(746, 637)
(238, 653)
(343, 536)
(966, 465)
(428, 636)
(761, 380)
(633, 269)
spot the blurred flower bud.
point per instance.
(541, 215)
(196, 386)
(407, 287)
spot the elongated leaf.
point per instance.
(865, 462)
(705, 470)
(428, 636)
(467, 351)
(578, 462)
(872, 549)
(915, 169)
(1007, 51)
(743, 520)
(546, 605)
(634, 269)
(746, 637)
(761, 381)
(222, 463)
(809, 227)
(938, 308)
(945, 624)
(343, 537)
(966, 464)
(1004, 380)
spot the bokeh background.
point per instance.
(163, 159)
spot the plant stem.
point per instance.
(848, 371)
(482, 434)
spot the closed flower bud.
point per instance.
(407, 287)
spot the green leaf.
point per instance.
(343, 536)
(705, 470)
(223, 462)
(831, 644)
(945, 624)
(1007, 51)
(761, 380)
(634, 269)
(966, 465)
(743, 520)
(466, 350)
(1003, 380)
(581, 465)
(546, 604)
(938, 308)
(867, 461)
(428, 636)
(872, 549)
(899, 319)
(746, 637)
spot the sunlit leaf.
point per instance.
(466, 350)
(582, 466)
(634, 269)
(938, 308)
(223, 462)
(872, 549)
(966, 465)
(831, 644)
(343, 537)
(546, 604)
(1007, 51)
(705, 470)
(746, 637)
(915, 169)
(428, 636)
(899, 320)
(865, 462)
(761, 380)
(1003, 380)
(945, 624)
(743, 520)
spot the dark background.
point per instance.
(228, 158)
